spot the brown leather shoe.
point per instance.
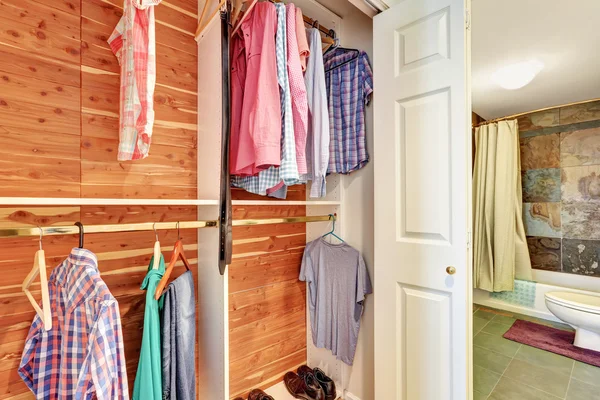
(313, 388)
(326, 383)
(257, 394)
(296, 386)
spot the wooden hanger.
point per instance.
(202, 27)
(157, 252)
(39, 268)
(235, 13)
(248, 10)
(178, 253)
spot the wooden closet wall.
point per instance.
(59, 105)
(267, 302)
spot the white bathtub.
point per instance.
(546, 282)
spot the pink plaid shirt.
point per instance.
(297, 88)
(82, 355)
(133, 42)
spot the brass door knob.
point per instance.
(450, 270)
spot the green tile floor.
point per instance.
(507, 370)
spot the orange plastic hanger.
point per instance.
(178, 253)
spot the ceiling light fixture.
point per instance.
(515, 76)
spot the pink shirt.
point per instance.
(256, 109)
(303, 48)
(297, 88)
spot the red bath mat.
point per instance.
(551, 339)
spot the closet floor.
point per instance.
(279, 392)
(505, 370)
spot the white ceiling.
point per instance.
(563, 34)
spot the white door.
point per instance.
(422, 202)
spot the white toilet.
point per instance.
(582, 312)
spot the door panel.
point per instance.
(422, 202)
(424, 170)
(426, 313)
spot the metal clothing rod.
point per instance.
(308, 20)
(491, 121)
(284, 220)
(34, 231)
(73, 230)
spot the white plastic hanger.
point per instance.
(157, 252)
(39, 268)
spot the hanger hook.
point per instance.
(41, 235)
(81, 233)
(315, 24)
(155, 233)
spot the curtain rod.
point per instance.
(34, 231)
(491, 121)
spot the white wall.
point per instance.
(358, 211)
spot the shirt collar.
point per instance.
(78, 260)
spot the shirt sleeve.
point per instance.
(363, 282)
(306, 269)
(28, 368)
(301, 38)
(307, 274)
(115, 41)
(108, 369)
(367, 77)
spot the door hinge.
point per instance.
(468, 20)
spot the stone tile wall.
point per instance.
(560, 166)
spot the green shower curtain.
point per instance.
(500, 251)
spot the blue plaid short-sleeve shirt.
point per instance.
(349, 89)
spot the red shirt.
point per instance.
(255, 104)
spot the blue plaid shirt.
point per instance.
(349, 89)
(82, 356)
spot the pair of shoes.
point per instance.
(257, 394)
(309, 384)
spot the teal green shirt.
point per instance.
(148, 380)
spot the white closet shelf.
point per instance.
(57, 201)
(284, 203)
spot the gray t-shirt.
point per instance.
(338, 282)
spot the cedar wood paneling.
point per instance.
(267, 302)
(59, 112)
(59, 97)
